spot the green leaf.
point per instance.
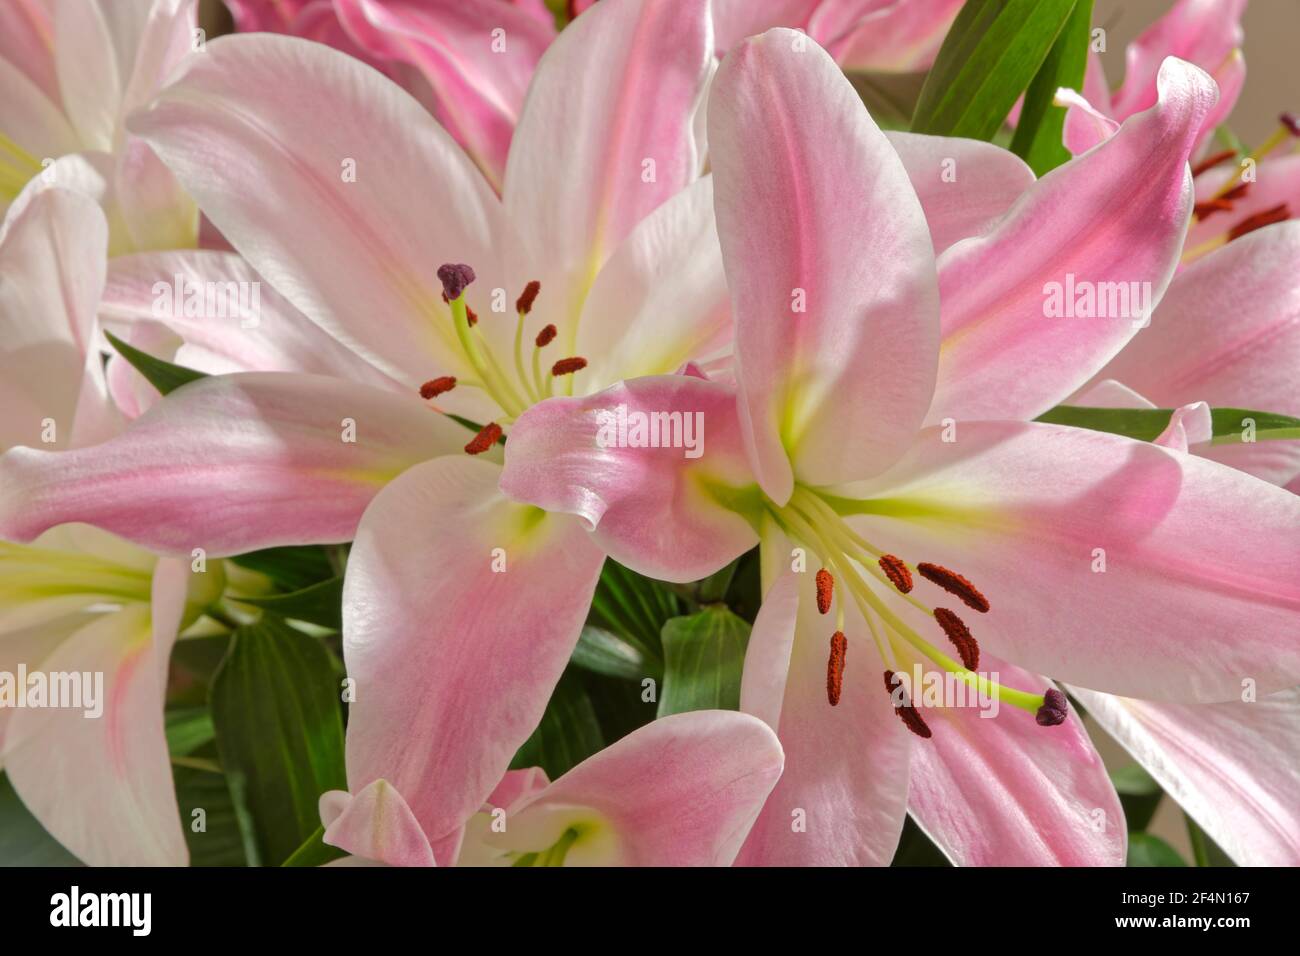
(917, 849)
(320, 603)
(1038, 133)
(1139, 794)
(989, 57)
(635, 608)
(703, 657)
(188, 729)
(221, 840)
(314, 851)
(162, 375)
(277, 712)
(604, 652)
(1145, 424)
(568, 733)
(23, 841)
(1147, 850)
(292, 568)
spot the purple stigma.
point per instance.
(454, 276)
(1054, 710)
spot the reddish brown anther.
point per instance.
(825, 590)
(961, 637)
(485, 439)
(1291, 122)
(955, 584)
(567, 366)
(1258, 221)
(900, 576)
(1203, 210)
(1237, 191)
(435, 387)
(1209, 162)
(470, 315)
(835, 667)
(526, 298)
(546, 336)
(908, 714)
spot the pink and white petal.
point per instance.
(166, 36)
(1191, 353)
(231, 463)
(993, 788)
(416, 201)
(679, 791)
(257, 331)
(829, 263)
(733, 20)
(102, 785)
(610, 109)
(27, 42)
(518, 785)
(1112, 218)
(478, 85)
(156, 211)
(1085, 125)
(439, 711)
(376, 824)
(1232, 766)
(661, 299)
(964, 184)
(1203, 32)
(52, 262)
(91, 80)
(1189, 425)
(32, 120)
(1201, 581)
(884, 36)
(658, 509)
(842, 797)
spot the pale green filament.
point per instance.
(553, 856)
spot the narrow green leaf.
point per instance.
(635, 608)
(23, 841)
(1139, 794)
(703, 657)
(604, 652)
(278, 717)
(314, 851)
(991, 53)
(208, 817)
(568, 734)
(320, 603)
(188, 729)
(162, 375)
(1147, 850)
(292, 568)
(1038, 133)
(1231, 425)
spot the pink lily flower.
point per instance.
(471, 61)
(78, 600)
(631, 282)
(933, 369)
(72, 73)
(681, 791)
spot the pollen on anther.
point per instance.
(546, 336)
(526, 298)
(835, 667)
(1259, 221)
(1213, 160)
(825, 590)
(454, 276)
(567, 366)
(437, 386)
(908, 714)
(471, 317)
(956, 584)
(961, 637)
(485, 439)
(1054, 710)
(900, 576)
